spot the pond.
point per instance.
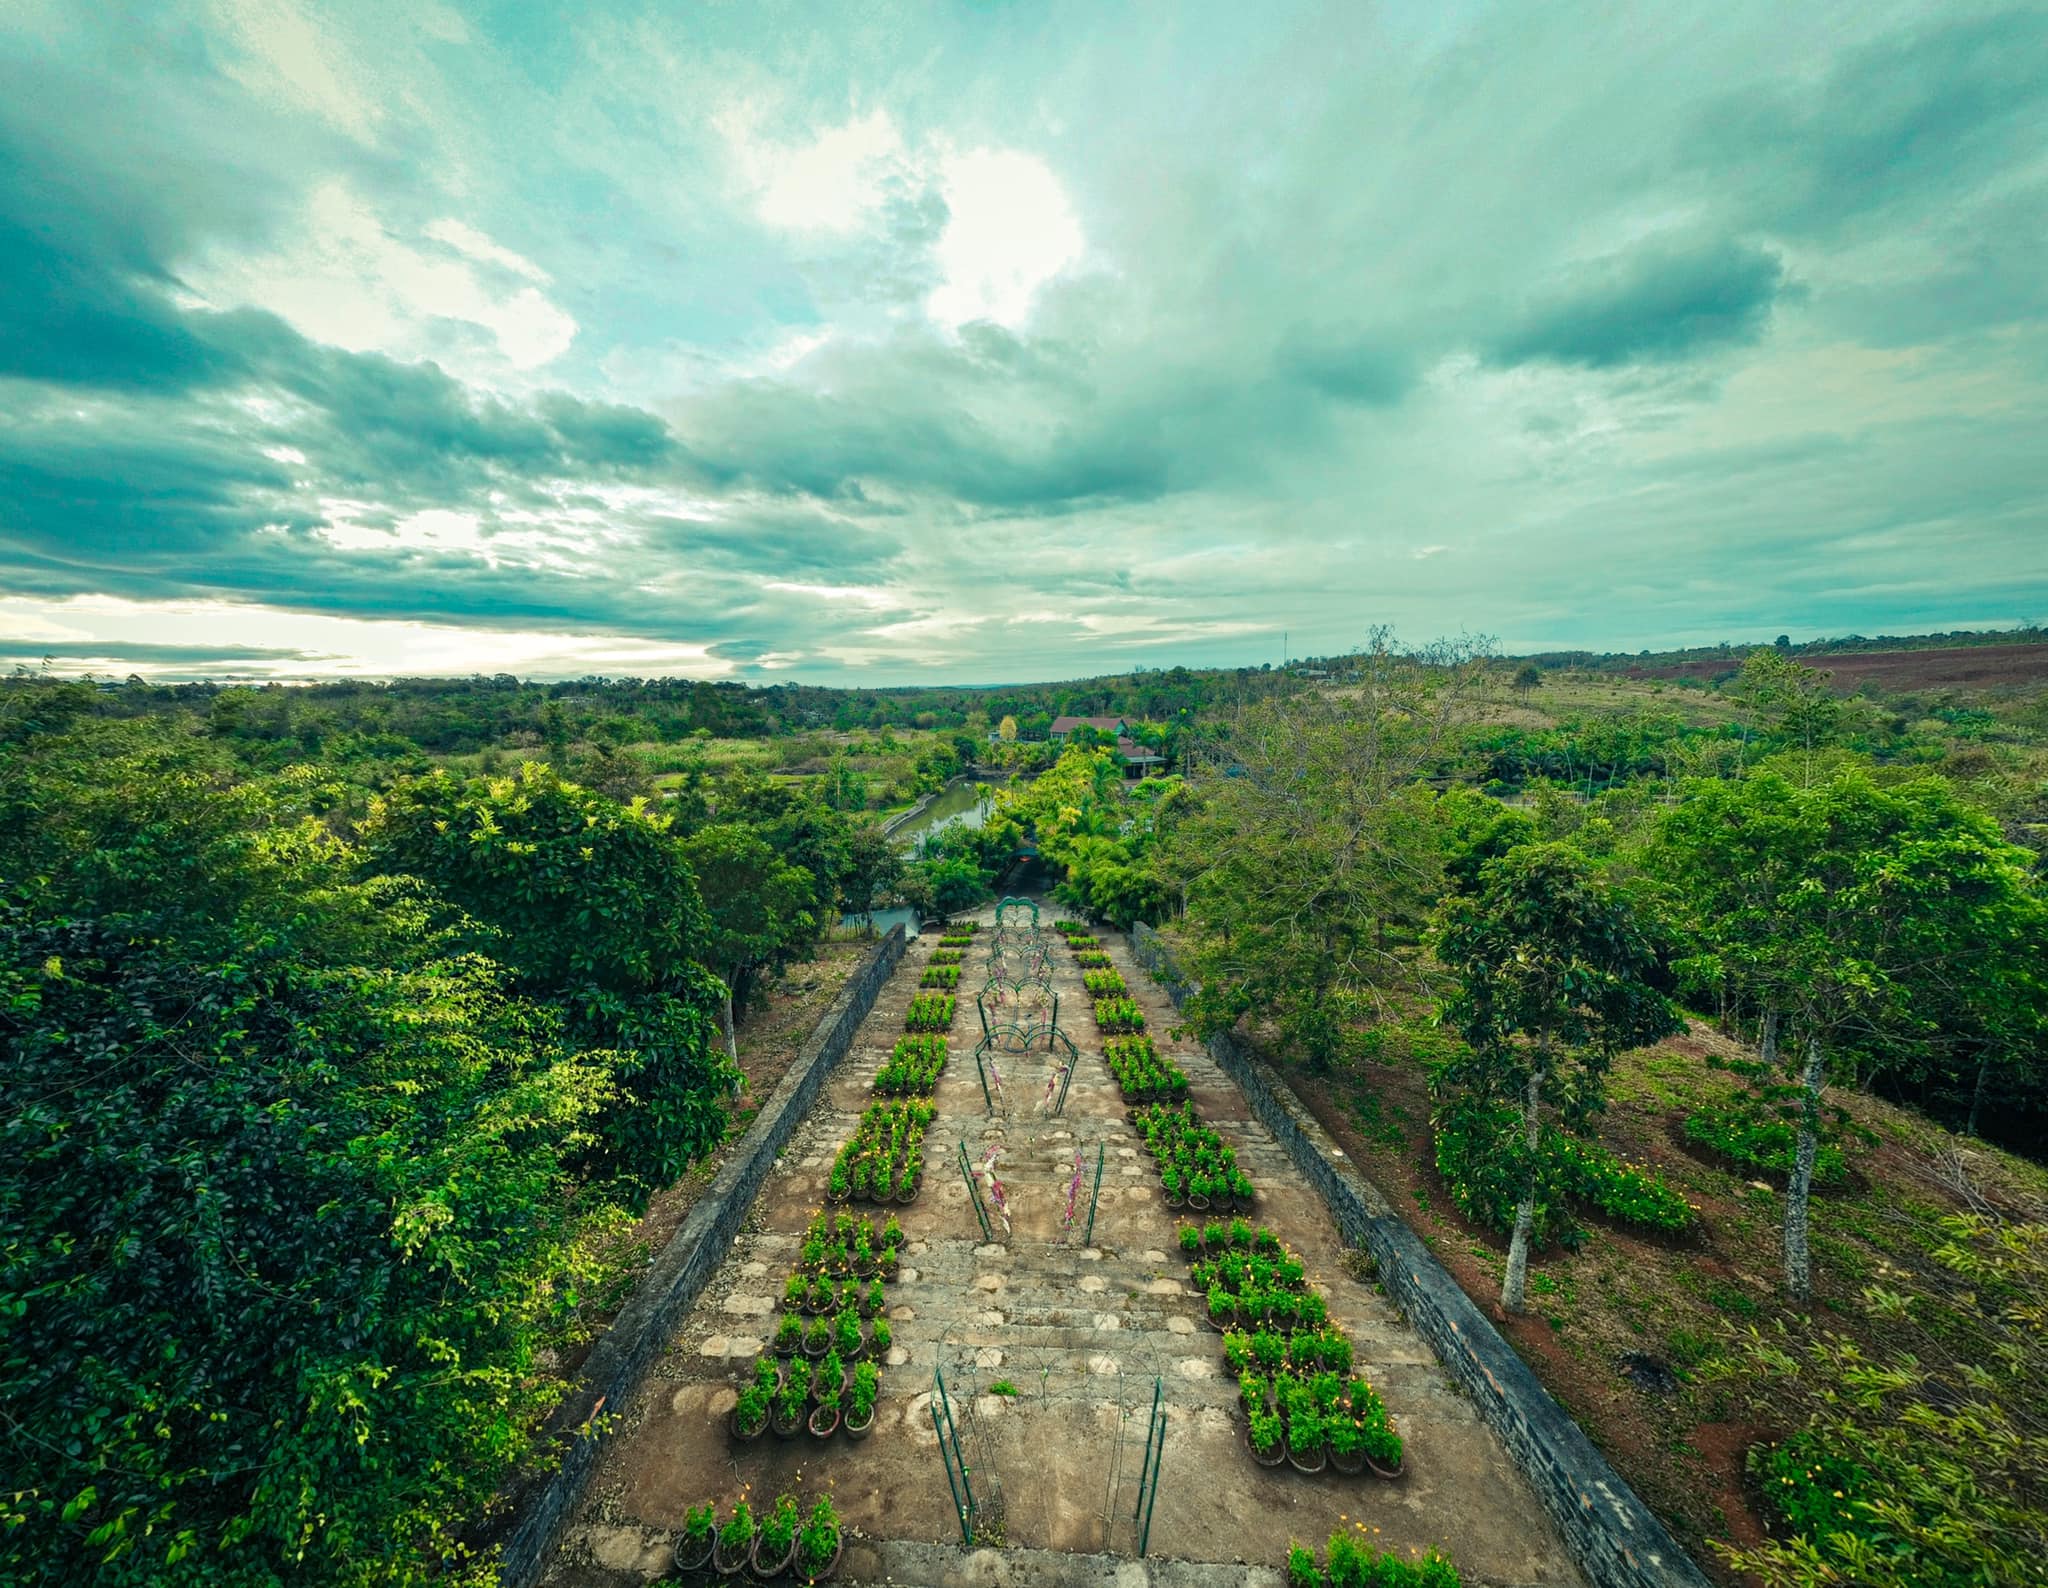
(958, 805)
(899, 915)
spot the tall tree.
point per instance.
(1845, 914)
(1554, 979)
(762, 909)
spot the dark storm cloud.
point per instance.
(1654, 304)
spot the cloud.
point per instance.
(1654, 304)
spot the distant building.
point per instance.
(1139, 760)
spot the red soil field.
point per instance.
(1958, 667)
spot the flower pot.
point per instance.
(1278, 1456)
(829, 1568)
(854, 1430)
(731, 1565)
(788, 1348)
(738, 1434)
(786, 1430)
(817, 1353)
(1199, 1204)
(906, 1197)
(838, 1196)
(1309, 1461)
(694, 1558)
(1389, 1473)
(824, 1422)
(769, 1570)
(1240, 1204)
(1351, 1466)
(1175, 1199)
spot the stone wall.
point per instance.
(670, 1287)
(1613, 1536)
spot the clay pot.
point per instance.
(1351, 1466)
(690, 1560)
(738, 1434)
(830, 1567)
(785, 1430)
(1389, 1473)
(854, 1430)
(824, 1422)
(731, 1566)
(1278, 1456)
(769, 1570)
(1312, 1461)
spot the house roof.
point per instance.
(1131, 750)
(1099, 724)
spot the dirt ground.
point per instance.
(1052, 1345)
(1972, 667)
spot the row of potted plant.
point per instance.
(1084, 943)
(1093, 959)
(1117, 1017)
(962, 928)
(884, 1159)
(1237, 1235)
(913, 1067)
(822, 1394)
(841, 1245)
(1354, 1563)
(1067, 928)
(956, 940)
(1278, 1353)
(1319, 1422)
(1141, 1074)
(1104, 983)
(947, 976)
(929, 1011)
(946, 956)
(783, 1542)
(1197, 1168)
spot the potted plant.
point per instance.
(789, 1335)
(1302, 1570)
(860, 1401)
(1174, 1186)
(775, 1546)
(1199, 1187)
(735, 1547)
(846, 1336)
(840, 1186)
(1347, 1445)
(1222, 1309)
(825, 1390)
(1241, 1196)
(819, 1297)
(748, 1419)
(1251, 1393)
(863, 1250)
(1305, 1437)
(1382, 1445)
(1263, 1434)
(1216, 1237)
(700, 1532)
(873, 1299)
(786, 1417)
(793, 1292)
(1190, 1242)
(818, 1544)
(817, 1338)
(880, 1339)
(912, 1178)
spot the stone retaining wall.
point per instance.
(1614, 1537)
(669, 1288)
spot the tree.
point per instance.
(1311, 863)
(1006, 730)
(761, 908)
(1528, 676)
(1789, 703)
(874, 866)
(1853, 914)
(594, 907)
(1554, 980)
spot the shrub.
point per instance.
(940, 976)
(931, 1011)
(1759, 1142)
(738, 1532)
(778, 1528)
(913, 1067)
(1104, 983)
(819, 1540)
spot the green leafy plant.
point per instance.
(1302, 1570)
(778, 1528)
(739, 1531)
(867, 1384)
(929, 1011)
(819, 1540)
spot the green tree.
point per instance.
(762, 909)
(594, 907)
(1554, 978)
(1851, 913)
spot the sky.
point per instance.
(976, 341)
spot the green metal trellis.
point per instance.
(1148, 1469)
(1093, 1197)
(974, 1193)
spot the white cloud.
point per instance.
(829, 184)
(1010, 230)
(290, 61)
(346, 278)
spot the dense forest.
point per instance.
(344, 1023)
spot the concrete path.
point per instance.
(1080, 1333)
